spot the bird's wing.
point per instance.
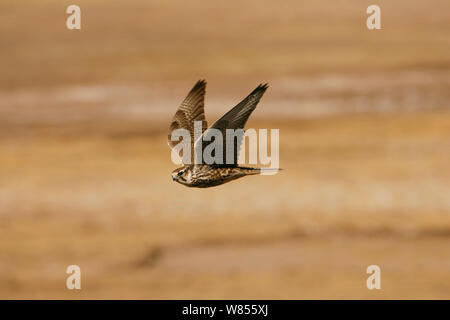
(237, 117)
(190, 110)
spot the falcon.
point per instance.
(192, 109)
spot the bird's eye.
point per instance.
(180, 173)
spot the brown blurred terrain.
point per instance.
(364, 123)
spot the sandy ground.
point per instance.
(356, 191)
(364, 125)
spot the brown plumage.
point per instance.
(192, 109)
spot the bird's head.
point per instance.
(182, 175)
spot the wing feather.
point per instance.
(190, 110)
(237, 117)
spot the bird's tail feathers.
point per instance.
(264, 171)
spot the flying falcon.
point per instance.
(192, 109)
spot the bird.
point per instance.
(192, 109)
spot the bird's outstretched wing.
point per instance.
(190, 110)
(236, 119)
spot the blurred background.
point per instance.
(364, 123)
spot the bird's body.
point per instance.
(205, 176)
(192, 109)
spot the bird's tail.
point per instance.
(264, 171)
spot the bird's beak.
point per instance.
(174, 178)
